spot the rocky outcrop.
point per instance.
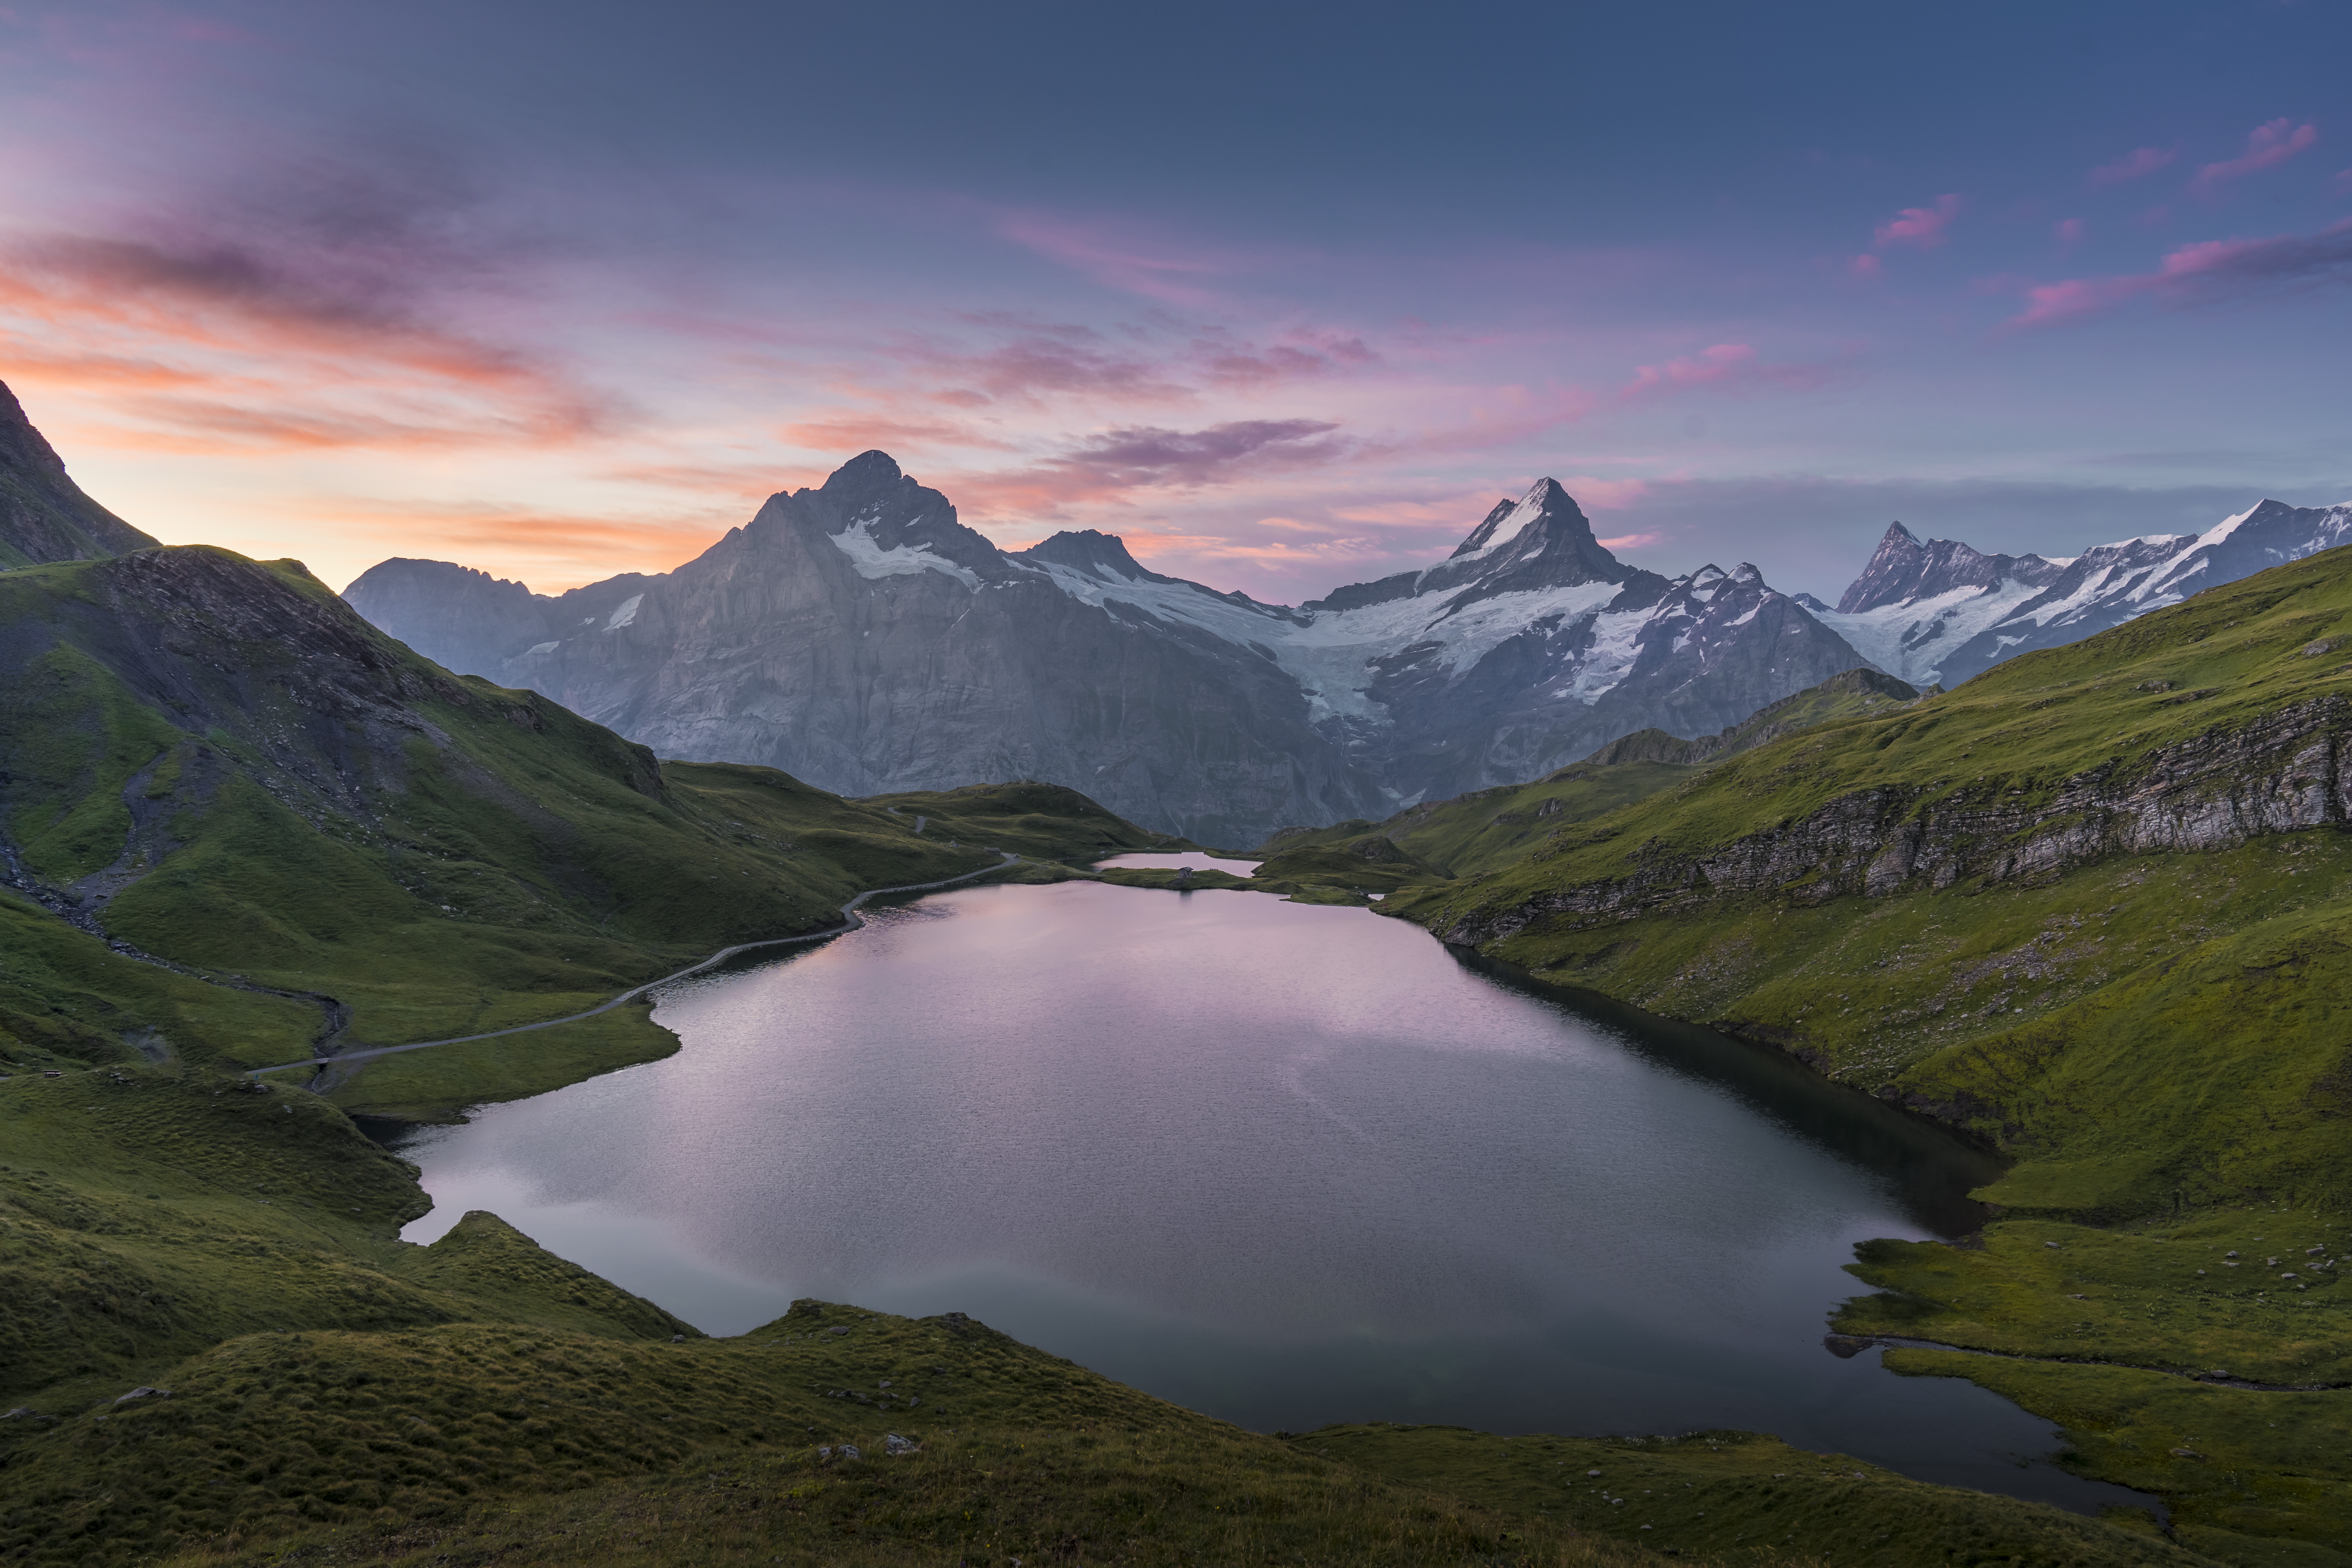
(2287, 771)
(44, 515)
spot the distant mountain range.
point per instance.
(859, 637)
(1939, 612)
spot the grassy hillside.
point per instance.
(1852, 694)
(1739, 1498)
(2094, 907)
(327, 840)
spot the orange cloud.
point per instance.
(195, 353)
(552, 549)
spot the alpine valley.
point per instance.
(2087, 909)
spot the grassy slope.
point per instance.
(283, 795)
(539, 1447)
(2157, 1039)
(1734, 1496)
(147, 1213)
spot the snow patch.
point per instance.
(1515, 522)
(1909, 640)
(869, 560)
(626, 614)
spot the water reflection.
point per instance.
(1284, 1164)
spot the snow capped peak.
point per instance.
(1100, 555)
(1945, 612)
(1746, 573)
(1507, 523)
(1708, 575)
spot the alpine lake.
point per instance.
(1286, 1164)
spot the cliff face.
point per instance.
(859, 635)
(2290, 770)
(44, 515)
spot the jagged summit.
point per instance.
(1905, 567)
(44, 515)
(1544, 525)
(870, 470)
(1096, 554)
(1545, 503)
(1941, 612)
(858, 634)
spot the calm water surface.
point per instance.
(1284, 1164)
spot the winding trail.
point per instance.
(724, 954)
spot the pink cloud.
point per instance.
(1629, 541)
(2267, 146)
(1445, 513)
(1293, 356)
(1865, 266)
(2132, 165)
(1117, 464)
(1719, 363)
(2211, 271)
(1609, 495)
(2071, 233)
(1921, 227)
(1724, 365)
(1125, 264)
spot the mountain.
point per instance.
(1939, 612)
(44, 515)
(859, 635)
(304, 835)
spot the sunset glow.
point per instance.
(566, 301)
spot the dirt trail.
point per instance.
(852, 923)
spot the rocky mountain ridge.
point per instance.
(859, 635)
(1939, 612)
(44, 515)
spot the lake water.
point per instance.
(1284, 1164)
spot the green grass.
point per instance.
(305, 806)
(2123, 1334)
(2264, 1478)
(442, 1083)
(2161, 1295)
(1737, 1498)
(538, 1445)
(146, 1213)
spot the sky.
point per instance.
(1286, 295)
